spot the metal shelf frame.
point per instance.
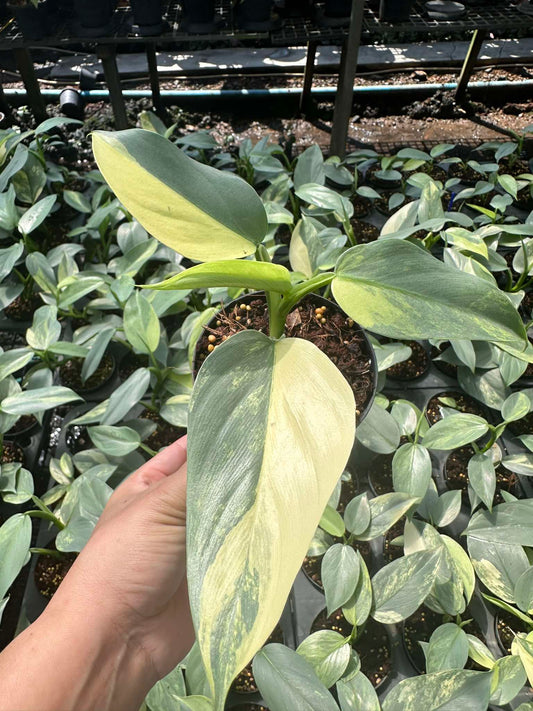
(364, 26)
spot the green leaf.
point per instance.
(357, 514)
(411, 470)
(523, 647)
(340, 573)
(116, 441)
(448, 648)
(402, 586)
(141, 324)
(168, 192)
(479, 652)
(482, 477)
(328, 653)
(41, 270)
(357, 609)
(509, 184)
(508, 523)
(96, 352)
(166, 694)
(523, 591)
(287, 681)
(385, 510)
(488, 387)
(326, 199)
(498, 565)
(309, 167)
(16, 483)
(36, 214)
(45, 328)
(331, 521)
(78, 287)
(77, 200)
(126, 396)
(421, 297)
(13, 360)
(244, 274)
(442, 691)
(357, 694)
(455, 431)
(15, 541)
(9, 257)
(93, 495)
(254, 397)
(134, 259)
(516, 406)
(379, 431)
(32, 401)
(176, 410)
(508, 678)
(55, 122)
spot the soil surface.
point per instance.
(70, 374)
(330, 330)
(50, 571)
(463, 403)
(507, 625)
(414, 367)
(456, 475)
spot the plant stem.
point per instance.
(48, 551)
(298, 292)
(147, 449)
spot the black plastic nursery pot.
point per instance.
(199, 16)
(147, 17)
(394, 10)
(32, 21)
(94, 17)
(71, 103)
(338, 336)
(256, 15)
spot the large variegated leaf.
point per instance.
(399, 290)
(200, 212)
(444, 690)
(258, 483)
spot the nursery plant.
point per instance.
(259, 475)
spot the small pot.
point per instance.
(394, 10)
(199, 16)
(256, 15)
(32, 21)
(364, 384)
(71, 104)
(414, 368)
(506, 625)
(147, 17)
(94, 17)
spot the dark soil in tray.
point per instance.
(24, 424)
(11, 452)
(463, 403)
(435, 171)
(507, 625)
(466, 174)
(382, 204)
(348, 492)
(312, 564)
(380, 474)
(419, 628)
(130, 363)
(447, 368)
(414, 367)
(523, 425)
(456, 475)
(165, 433)
(244, 683)
(364, 232)
(372, 644)
(22, 308)
(362, 206)
(50, 571)
(70, 374)
(526, 307)
(391, 552)
(12, 339)
(331, 331)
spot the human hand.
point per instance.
(133, 570)
(120, 620)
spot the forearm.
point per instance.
(69, 660)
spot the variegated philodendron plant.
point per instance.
(272, 420)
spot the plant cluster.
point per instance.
(110, 278)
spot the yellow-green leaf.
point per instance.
(256, 479)
(202, 213)
(235, 272)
